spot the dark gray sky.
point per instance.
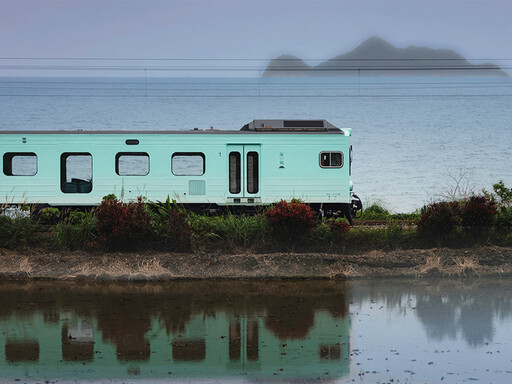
(247, 29)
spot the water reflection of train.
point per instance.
(264, 162)
(278, 330)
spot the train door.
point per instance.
(244, 171)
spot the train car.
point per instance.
(263, 162)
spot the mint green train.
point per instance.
(264, 162)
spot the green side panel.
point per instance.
(288, 168)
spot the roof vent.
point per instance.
(290, 126)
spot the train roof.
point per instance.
(255, 126)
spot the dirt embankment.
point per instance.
(479, 261)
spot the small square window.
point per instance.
(20, 164)
(132, 164)
(188, 164)
(331, 159)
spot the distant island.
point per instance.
(376, 56)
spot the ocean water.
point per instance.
(413, 138)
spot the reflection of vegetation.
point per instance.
(446, 308)
(124, 313)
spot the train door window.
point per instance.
(132, 164)
(188, 164)
(252, 172)
(76, 172)
(350, 161)
(20, 164)
(331, 159)
(235, 182)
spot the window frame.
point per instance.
(9, 156)
(135, 154)
(189, 154)
(331, 166)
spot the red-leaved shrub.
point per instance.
(339, 227)
(291, 222)
(439, 221)
(122, 225)
(478, 214)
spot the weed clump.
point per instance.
(76, 231)
(19, 231)
(170, 224)
(243, 230)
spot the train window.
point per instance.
(188, 164)
(331, 159)
(76, 172)
(235, 184)
(20, 164)
(132, 164)
(252, 172)
(350, 156)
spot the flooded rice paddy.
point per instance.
(382, 331)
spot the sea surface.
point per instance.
(383, 331)
(414, 138)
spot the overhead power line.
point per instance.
(238, 59)
(253, 69)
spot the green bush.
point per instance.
(76, 231)
(375, 212)
(501, 195)
(413, 216)
(322, 234)
(503, 221)
(49, 215)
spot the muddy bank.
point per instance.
(478, 261)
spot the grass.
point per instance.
(19, 232)
(242, 231)
(77, 231)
